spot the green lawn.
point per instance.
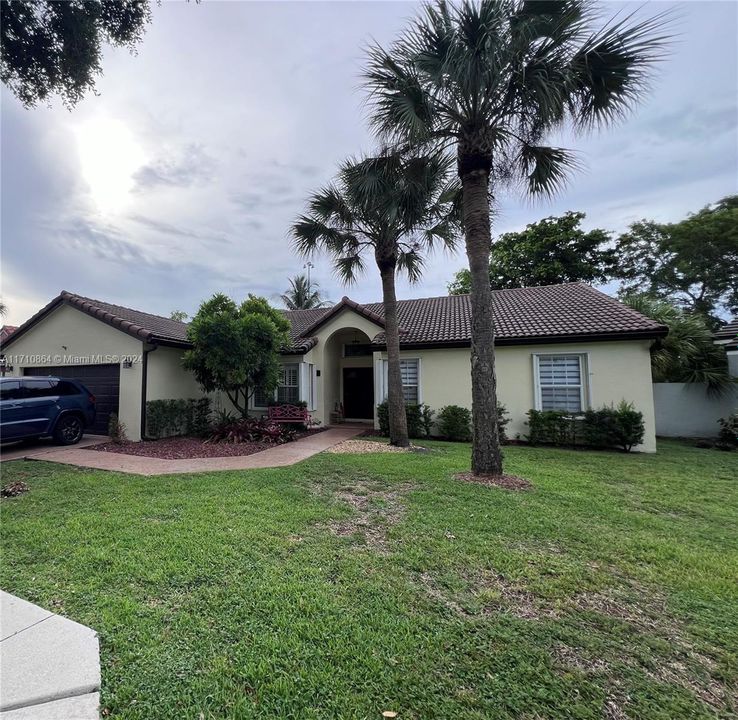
(352, 584)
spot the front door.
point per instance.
(358, 393)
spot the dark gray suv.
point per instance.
(34, 407)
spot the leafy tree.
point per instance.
(553, 250)
(687, 353)
(236, 347)
(693, 262)
(51, 47)
(301, 295)
(178, 315)
(492, 80)
(395, 208)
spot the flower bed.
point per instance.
(182, 448)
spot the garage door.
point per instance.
(103, 382)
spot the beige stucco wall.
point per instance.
(167, 379)
(616, 371)
(70, 337)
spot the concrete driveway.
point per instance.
(34, 448)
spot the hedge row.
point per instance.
(621, 427)
(168, 418)
(454, 421)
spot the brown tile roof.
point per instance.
(553, 313)
(6, 331)
(141, 325)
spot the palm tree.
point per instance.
(301, 295)
(491, 80)
(396, 208)
(687, 353)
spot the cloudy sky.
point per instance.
(182, 176)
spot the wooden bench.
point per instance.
(289, 414)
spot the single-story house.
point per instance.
(558, 347)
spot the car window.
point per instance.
(37, 388)
(64, 387)
(10, 390)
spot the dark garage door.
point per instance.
(103, 382)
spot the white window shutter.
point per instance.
(304, 383)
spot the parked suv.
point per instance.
(33, 407)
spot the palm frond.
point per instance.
(411, 263)
(611, 70)
(545, 169)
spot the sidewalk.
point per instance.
(50, 665)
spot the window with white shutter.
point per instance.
(410, 371)
(560, 382)
(288, 390)
(288, 387)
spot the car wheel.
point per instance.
(69, 430)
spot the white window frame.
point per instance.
(584, 387)
(385, 381)
(275, 395)
(283, 376)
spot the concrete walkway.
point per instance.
(278, 456)
(50, 665)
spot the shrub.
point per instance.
(606, 427)
(503, 418)
(167, 418)
(117, 430)
(628, 428)
(555, 427)
(728, 436)
(249, 430)
(454, 423)
(198, 416)
(426, 419)
(413, 413)
(416, 419)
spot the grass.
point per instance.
(352, 584)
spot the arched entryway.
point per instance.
(349, 377)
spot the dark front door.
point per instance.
(358, 393)
(103, 381)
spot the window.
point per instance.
(10, 390)
(560, 382)
(64, 387)
(288, 390)
(410, 373)
(262, 399)
(357, 350)
(37, 388)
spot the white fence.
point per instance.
(686, 410)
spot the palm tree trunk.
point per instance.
(395, 397)
(486, 453)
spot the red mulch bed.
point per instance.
(183, 448)
(508, 482)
